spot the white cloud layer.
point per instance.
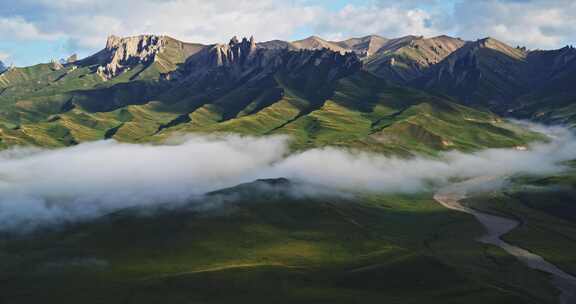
(533, 23)
(52, 186)
(85, 24)
(4, 56)
(20, 29)
(389, 21)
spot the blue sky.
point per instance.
(31, 52)
(37, 31)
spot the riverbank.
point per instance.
(497, 226)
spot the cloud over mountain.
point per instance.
(83, 24)
(39, 187)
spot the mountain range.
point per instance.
(403, 95)
(208, 219)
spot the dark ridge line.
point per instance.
(393, 115)
(180, 119)
(111, 132)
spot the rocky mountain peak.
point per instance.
(317, 43)
(235, 51)
(55, 65)
(122, 53)
(244, 42)
(242, 61)
(568, 51)
(73, 58)
(494, 44)
(364, 46)
(233, 41)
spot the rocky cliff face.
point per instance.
(234, 52)
(404, 59)
(364, 46)
(241, 59)
(72, 58)
(401, 59)
(337, 64)
(122, 53)
(2, 67)
(486, 72)
(234, 57)
(317, 43)
(240, 67)
(549, 64)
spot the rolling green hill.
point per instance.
(149, 88)
(270, 246)
(258, 242)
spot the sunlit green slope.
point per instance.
(266, 245)
(318, 97)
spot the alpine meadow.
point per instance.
(401, 158)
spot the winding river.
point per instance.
(496, 227)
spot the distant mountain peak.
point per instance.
(236, 50)
(114, 41)
(72, 58)
(373, 37)
(497, 45)
(163, 85)
(314, 37)
(446, 37)
(315, 43)
(234, 40)
(121, 53)
(491, 42)
(364, 46)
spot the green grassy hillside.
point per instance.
(257, 242)
(362, 111)
(317, 97)
(545, 205)
(266, 245)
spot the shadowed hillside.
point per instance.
(147, 88)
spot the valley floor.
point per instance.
(273, 247)
(497, 226)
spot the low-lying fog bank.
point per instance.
(40, 187)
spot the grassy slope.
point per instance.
(546, 208)
(270, 247)
(554, 100)
(365, 112)
(286, 252)
(44, 106)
